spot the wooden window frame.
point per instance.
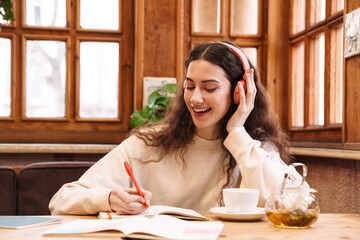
(79, 29)
(119, 117)
(67, 41)
(329, 135)
(12, 38)
(223, 8)
(17, 128)
(25, 26)
(250, 41)
(260, 23)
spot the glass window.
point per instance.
(297, 85)
(317, 11)
(251, 54)
(206, 16)
(45, 78)
(298, 16)
(322, 74)
(2, 21)
(336, 76)
(316, 80)
(244, 17)
(336, 5)
(5, 77)
(96, 14)
(99, 75)
(46, 13)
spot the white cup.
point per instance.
(240, 200)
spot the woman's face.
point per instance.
(207, 96)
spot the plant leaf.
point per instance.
(170, 87)
(162, 101)
(7, 12)
(153, 97)
(156, 108)
(140, 117)
(137, 119)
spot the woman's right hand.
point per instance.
(128, 201)
(246, 105)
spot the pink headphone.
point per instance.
(246, 66)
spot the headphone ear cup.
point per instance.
(237, 94)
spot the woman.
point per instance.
(205, 143)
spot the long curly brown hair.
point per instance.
(177, 129)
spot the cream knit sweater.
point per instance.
(198, 186)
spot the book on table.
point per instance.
(140, 227)
(183, 213)
(18, 222)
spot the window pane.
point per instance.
(336, 5)
(244, 17)
(99, 77)
(297, 85)
(206, 16)
(46, 13)
(45, 78)
(99, 15)
(316, 80)
(251, 54)
(5, 77)
(317, 11)
(336, 76)
(2, 21)
(298, 15)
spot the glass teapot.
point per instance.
(293, 205)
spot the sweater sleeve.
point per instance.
(260, 164)
(89, 195)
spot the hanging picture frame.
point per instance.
(352, 34)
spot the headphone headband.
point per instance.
(240, 54)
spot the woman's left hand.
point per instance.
(246, 104)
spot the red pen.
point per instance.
(128, 170)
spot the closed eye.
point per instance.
(210, 89)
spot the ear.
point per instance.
(184, 85)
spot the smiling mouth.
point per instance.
(201, 110)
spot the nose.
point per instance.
(197, 97)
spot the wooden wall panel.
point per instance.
(160, 41)
(277, 58)
(160, 38)
(351, 136)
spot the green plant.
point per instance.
(157, 105)
(5, 10)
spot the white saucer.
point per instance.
(248, 216)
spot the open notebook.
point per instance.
(154, 210)
(140, 227)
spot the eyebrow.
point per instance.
(204, 81)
